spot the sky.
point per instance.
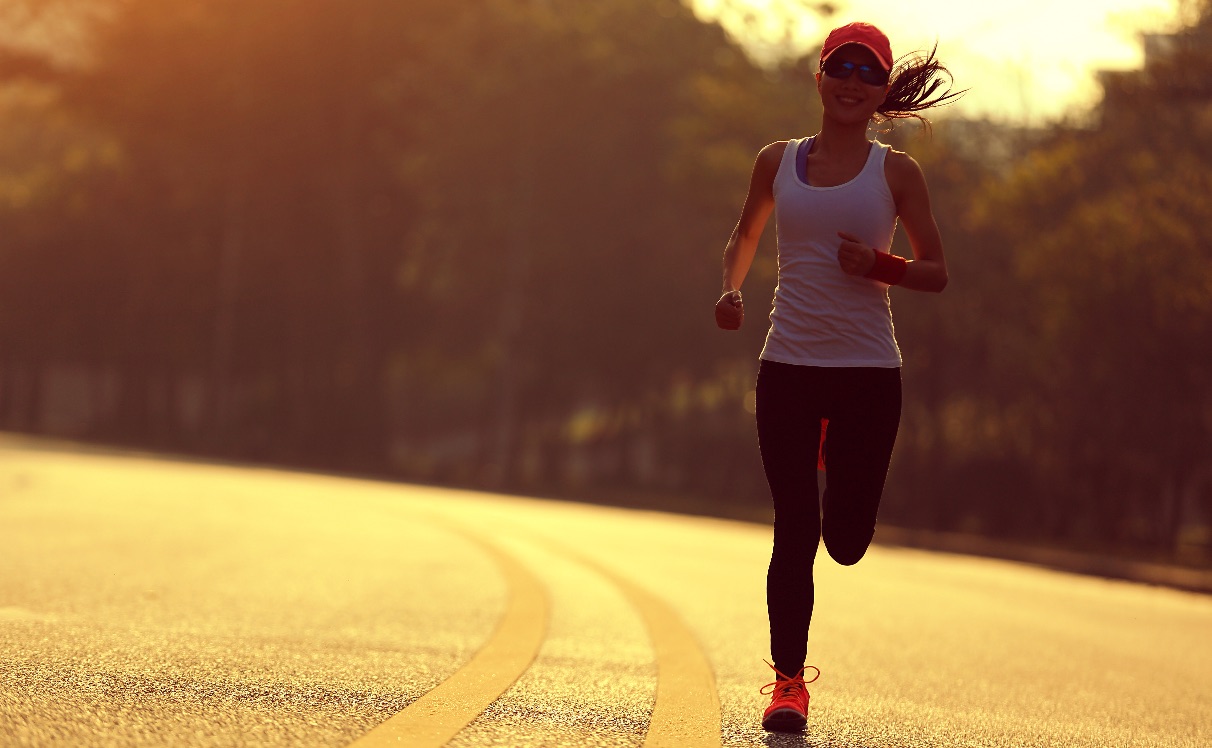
(1024, 61)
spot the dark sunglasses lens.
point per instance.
(838, 68)
(872, 76)
(842, 69)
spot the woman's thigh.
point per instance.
(789, 411)
(863, 423)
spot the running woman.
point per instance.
(829, 379)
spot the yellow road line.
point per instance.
(436, 717)
(687, 709)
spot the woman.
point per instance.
(831, 358)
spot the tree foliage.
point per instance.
(480, 243)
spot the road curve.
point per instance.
(146, 601)
(436, 718)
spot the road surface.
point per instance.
(145, 601)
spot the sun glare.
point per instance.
(1030, 61)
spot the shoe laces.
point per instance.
(785, 685)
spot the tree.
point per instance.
(1109, 232)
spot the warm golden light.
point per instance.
(1025, 61)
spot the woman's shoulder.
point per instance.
(899, 162)
(900, 168)
(774, 151)
(769, 159)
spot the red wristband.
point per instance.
(888, 268)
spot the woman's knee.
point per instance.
(847, 548)
(797, 539)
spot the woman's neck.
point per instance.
(840, 138)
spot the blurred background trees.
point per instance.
(479, 244)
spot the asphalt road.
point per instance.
(151, 602)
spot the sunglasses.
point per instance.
(841, 69)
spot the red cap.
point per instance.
(859, 33)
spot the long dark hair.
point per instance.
(915, 79)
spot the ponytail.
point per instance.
(913, 82)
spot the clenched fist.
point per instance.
(854, 257)
(730, 311)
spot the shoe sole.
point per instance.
(785, 720)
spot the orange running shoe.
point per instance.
(788, 710)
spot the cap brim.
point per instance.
(886, 64)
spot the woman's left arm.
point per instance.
(928, 269)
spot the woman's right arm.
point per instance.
(738, 255)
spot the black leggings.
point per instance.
(863, 406)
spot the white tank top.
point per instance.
(821, 315)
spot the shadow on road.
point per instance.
(793, 740)
(788, 740)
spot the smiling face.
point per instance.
(849, 100)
